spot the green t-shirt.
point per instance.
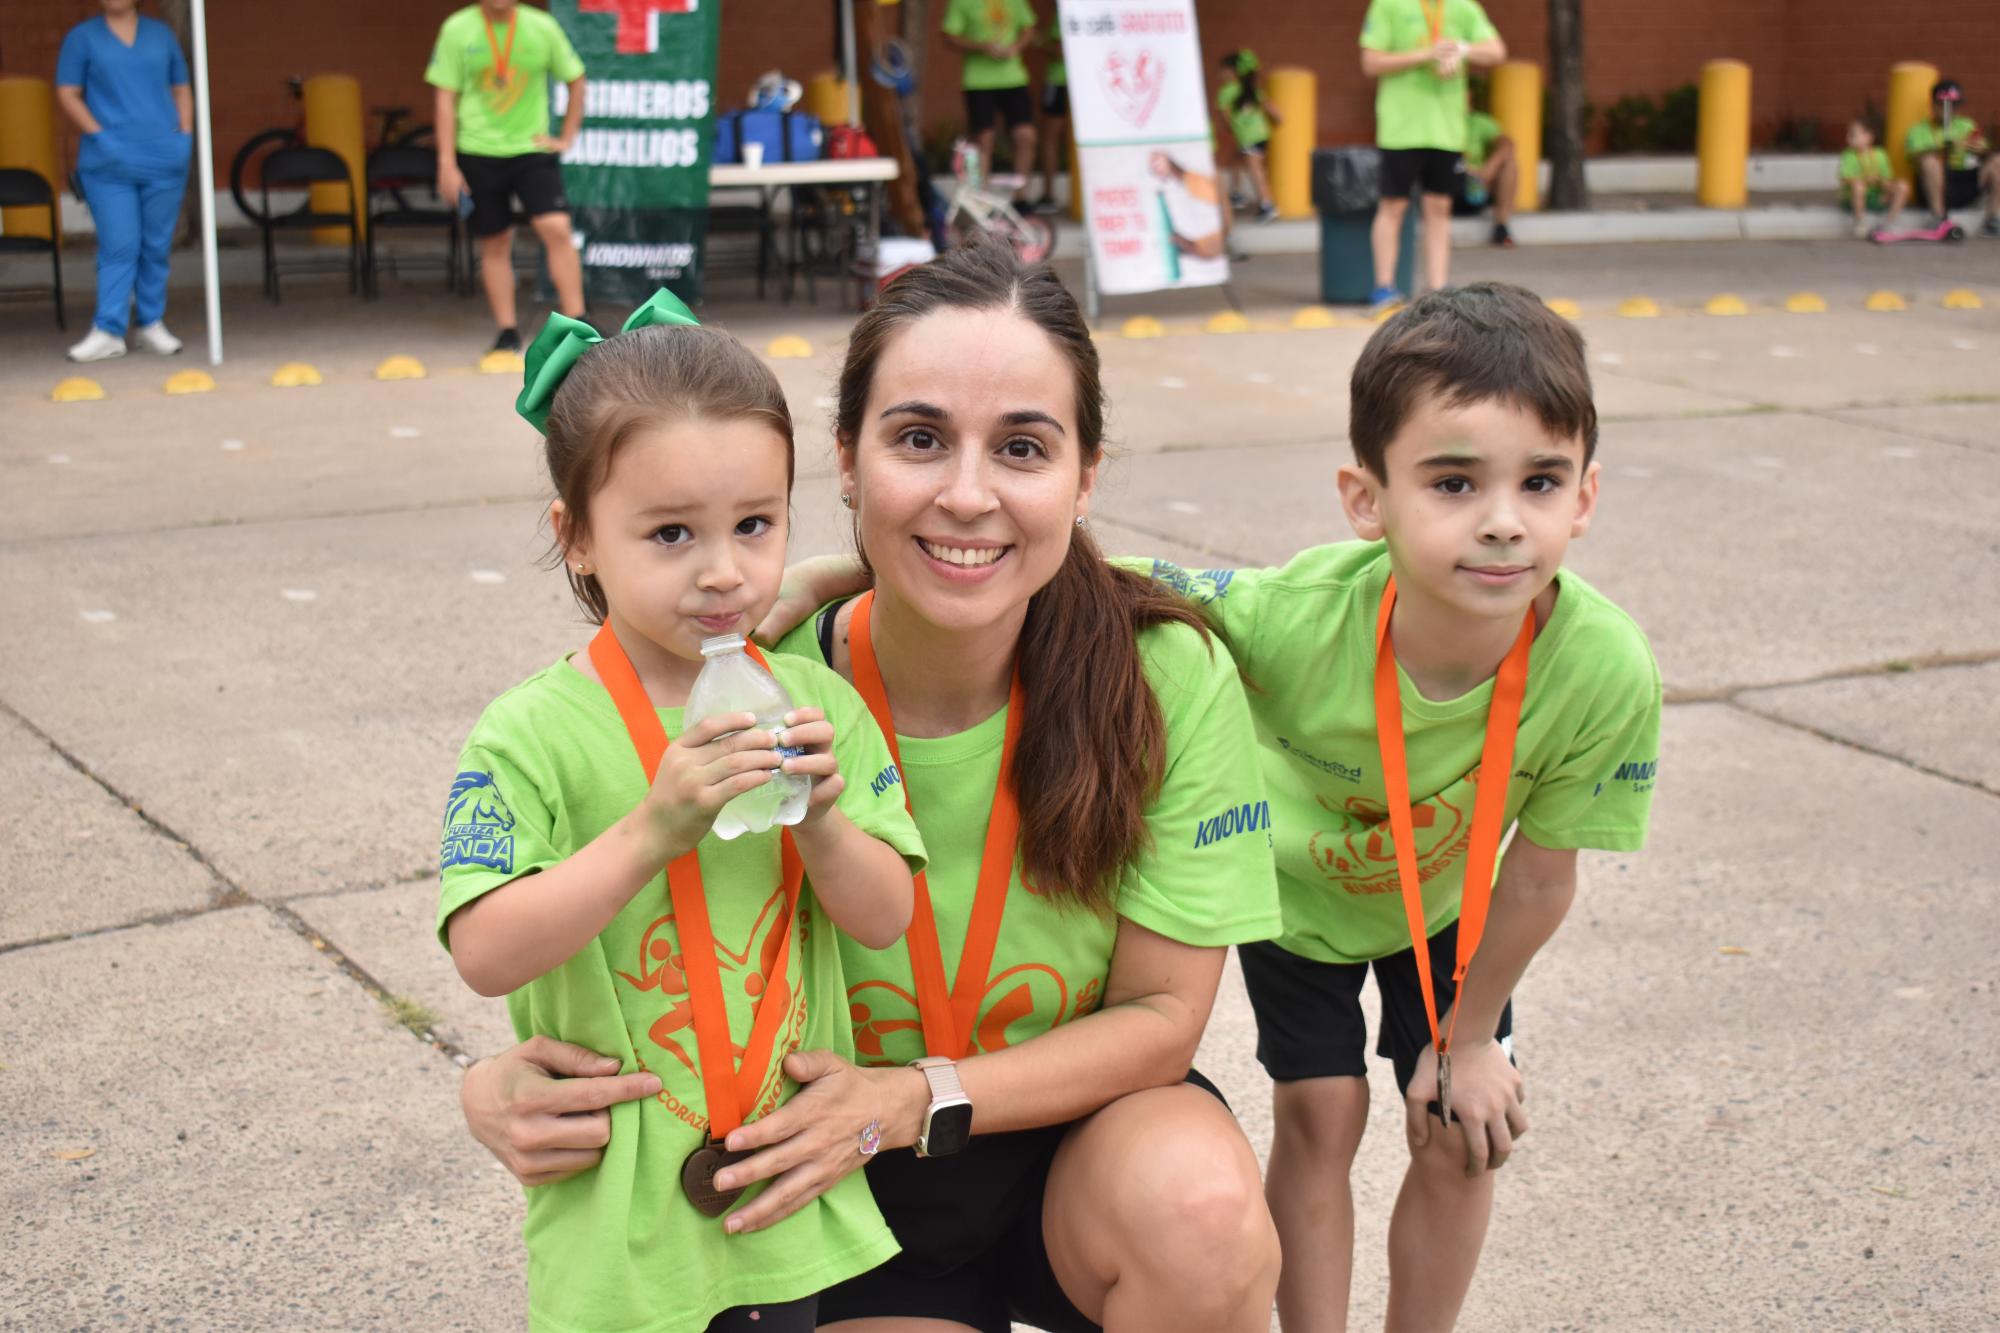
(1414, 108)
(1872, 166)
(1584, 760)
(1204, 878)
(1058, 71)
(494, 121)
(990, 22)
(549, 767)
(1959, 142)
(1247, 120)
(1481, 133)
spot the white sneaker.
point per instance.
(97, 345)
(155, 338)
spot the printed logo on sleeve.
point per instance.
(478, 826)
(884, 780)
(1246, 818)
(1201, 587)
(1639, 772)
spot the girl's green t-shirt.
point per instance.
(549, 767)
(1248, 121)
(1204, 878)
(1585, 758)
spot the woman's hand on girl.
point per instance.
(808, 729)
(708, 766)
(540, 1106)
(811, 1142)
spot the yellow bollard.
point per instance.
(1722, 141)
(1909, 102)
(1517, 105)
(28, 139)
(333, 120)
(1294, 95)
(826, 97)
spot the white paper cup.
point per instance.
(753, 155)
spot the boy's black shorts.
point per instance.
(983, 104)
(1309, 1022)
(494, 182)
(1055, 100)
(1961, 187)
(1436, 169)
(971, 1230)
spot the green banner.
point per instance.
(637, 175)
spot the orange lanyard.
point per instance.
(1496, 763)
(948, 1016)
(502, 60)
(720, 1078)
(1433, 17)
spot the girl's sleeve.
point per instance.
(498, 826)
(1206, 875)
(873, 796)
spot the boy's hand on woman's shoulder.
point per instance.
(1487, 1093)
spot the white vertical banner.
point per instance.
(1152, 199)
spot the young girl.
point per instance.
(1241, 100)
(670, 447)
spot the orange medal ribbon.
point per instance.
(1433, 18)
(949, 1016)
(731, 1092)
(502, 60)
(1489, 808)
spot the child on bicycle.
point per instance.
(670, 449)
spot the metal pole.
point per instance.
(204, 138)
(850, 70)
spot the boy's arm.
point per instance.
(863, 882)
(1530, 898)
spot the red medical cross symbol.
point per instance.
(635, 19)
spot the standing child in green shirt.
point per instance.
(670, 449)
(991, 34)
(1419, 51)
(1867, 181)
(1241, 101)
(1419, 691)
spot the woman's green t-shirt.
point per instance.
(1204, 878)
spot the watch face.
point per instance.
(950, 1129)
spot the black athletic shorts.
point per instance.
(494, 182)
(1309, 1022)
(983, 104)
(1961, 187)
(1435, 169)
(791, 1317)
(1055, 100)
(971, 1230)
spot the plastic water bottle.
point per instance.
(732, 682)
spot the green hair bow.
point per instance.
(562, 340)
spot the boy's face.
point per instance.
(1859, 139)
(1478, 505)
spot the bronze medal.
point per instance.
(698, 1178)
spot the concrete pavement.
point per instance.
(246, 631)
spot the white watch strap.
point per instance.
(942, 1074)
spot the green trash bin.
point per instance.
(1345, 189)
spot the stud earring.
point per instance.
(1079, 520)
(846, 500)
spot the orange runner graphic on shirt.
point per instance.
(1032, 997)
(661, 969)
(1360, 856)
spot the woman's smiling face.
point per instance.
(967, 473)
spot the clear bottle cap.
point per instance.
(722, 643)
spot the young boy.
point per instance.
(1867, 180)
(1473, 433)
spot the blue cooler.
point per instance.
(787, 136)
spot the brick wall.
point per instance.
(1818, 58)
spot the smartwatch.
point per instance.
(947, 1123)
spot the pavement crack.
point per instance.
(1863, 747)
(397, 1007)
(1232, 559)
(328, 515)
(1897, 666)
(1884, 428)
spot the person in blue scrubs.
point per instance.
(124, 82)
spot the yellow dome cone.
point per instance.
(1314, 317)
(1806, 303)
(1727, 303)
(1639, 307)
(498, 362)
(1144, 326)
(190, 381)
(76, 389)
(1963, 298)
(1227, 321)
(294, 375)
(400, 368)
(1884, 300)
(791, 347)
(1566, 308)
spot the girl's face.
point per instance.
(967, 474)
(687, 533)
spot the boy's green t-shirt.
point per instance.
(1414, 108)
(990, 22)
(1954, 141)
(1057, 75)
(1584, 760)
(495, 121)
(548, 768)
(1204, 877)
(1871, 166)
(1247, 120)
(1481, 133)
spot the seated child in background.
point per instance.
(1490, 175)
(1868, 184)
